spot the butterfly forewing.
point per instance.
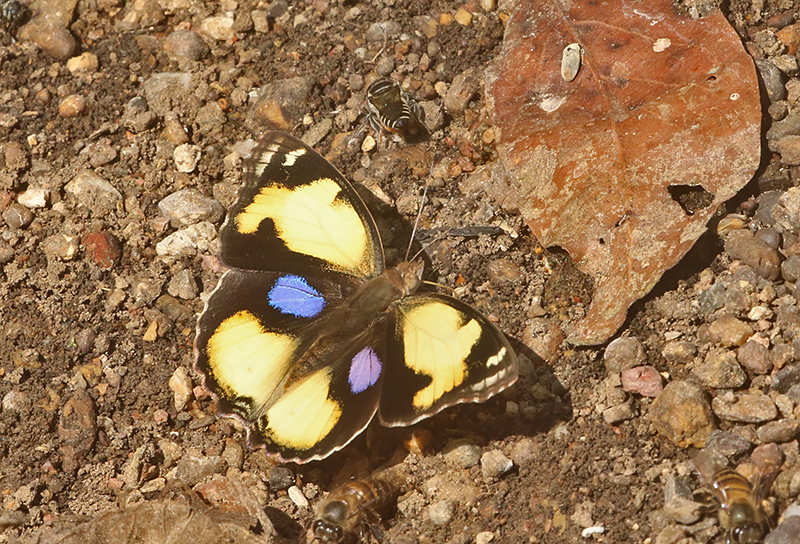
(297, 213)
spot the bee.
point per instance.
(390, 109)
(739, 498)
(349, 513)
(12, 14)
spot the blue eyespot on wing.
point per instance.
(365, 370)
(293, 295)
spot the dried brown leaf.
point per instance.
(624, 165)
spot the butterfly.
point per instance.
(308, 335)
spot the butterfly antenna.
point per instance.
(416, 223)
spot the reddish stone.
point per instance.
(790, 37)
(103, 248)
(644, 380)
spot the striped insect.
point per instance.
(392, 110)
(740, 510)
(350, 513)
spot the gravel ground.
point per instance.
(122, 130)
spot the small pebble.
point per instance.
(502, 271)
(683, 510)
(785, 378)
(181, 386)
(183, 285)
(719, 369)
(622, 353)
(85, 62)
(442, 512)
(746, 407)
(280, 478)
(94, 192)
(378, 32)
(297, 497)
(103, 248)
(189, 206)
(54, 41)
(679, 351)
(62, 246)
(187, 242)
(283, 102)
(644, 380)
(682, 414)
(743, 245)
(17, 216)
(463, 17)
(782, 430)
(728, 331)
(185, 45)
(14, 401)
(754, 356)
(524, 451)
(101, 153)
(462, 455)
(494, 464)
(463, 88)
(186, 157)
(72, 106)
(174, 131)
(727, 443)
(6, 252)
(193, 466)
(77, 429)
(233, 454)
(596, 530)
(619, 413)
(34, 197)
(767, 455)
(219, 28)
(785, 533)
(484, 537)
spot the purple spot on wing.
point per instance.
(365, 369)
(293, 295)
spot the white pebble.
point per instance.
(297, 496)
(589, 531)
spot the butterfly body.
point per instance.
(305, 330)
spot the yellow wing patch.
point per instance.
(310, 221)
(304, 415)
(437, 343)
(248, 361)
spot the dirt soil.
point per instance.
(92, 332)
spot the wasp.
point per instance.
(392, 110)
(349, 513)
(739, 498)
(12, 14)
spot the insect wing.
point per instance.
(442, 352)
(263, 350)
(297, 213)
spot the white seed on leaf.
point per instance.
(571, 61)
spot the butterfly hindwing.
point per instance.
(442, 352)
(262, 347)
(297, 213)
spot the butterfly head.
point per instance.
(410, 274)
